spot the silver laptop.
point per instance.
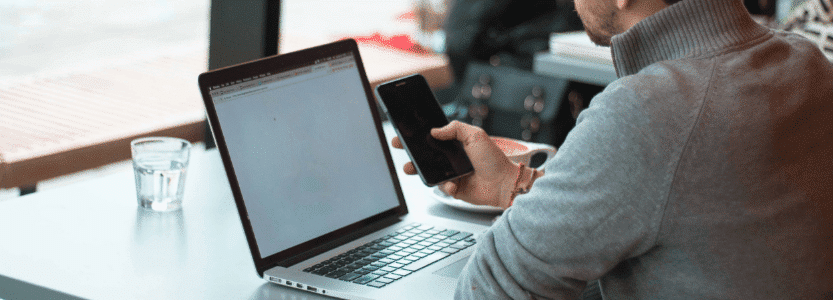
(315, 186)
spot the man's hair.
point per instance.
(669, 2)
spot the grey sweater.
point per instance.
(704, 172)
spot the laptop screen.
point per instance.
(305, 150)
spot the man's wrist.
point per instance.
(525, 178)
(507, 191)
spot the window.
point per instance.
(395, 23)
(67, 69)
(101, 51)
(56, 35)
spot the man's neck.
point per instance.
(634, 11)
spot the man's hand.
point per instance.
(494, 174)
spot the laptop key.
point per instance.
(427, 251)
(403, 262)
(395, 265)
(383, 280)
(386, 260)
(448, 232)
(371, 267)
(411, 258)
(367, 260)
(460, 236)
(376, 284)
(350, 276)
(322, 271)
(394, 257)
(425, 261)
(328, 268)
(365, 279)
(449, 250)
(378, 247)
(385, 244)
(459, 245)
(355, 265)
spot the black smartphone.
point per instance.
(414, 111)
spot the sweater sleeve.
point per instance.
(599, 203)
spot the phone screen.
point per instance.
(413, 112)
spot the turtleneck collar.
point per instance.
(689, 28)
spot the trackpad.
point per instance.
(453, 270)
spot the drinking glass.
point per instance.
(159, 165)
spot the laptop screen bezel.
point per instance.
(276, 64)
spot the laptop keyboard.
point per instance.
(387, 259)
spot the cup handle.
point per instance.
(549, 151)
(526, 157)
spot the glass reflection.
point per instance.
(159, 241)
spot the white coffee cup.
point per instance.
(522, 152)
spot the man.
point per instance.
(703, 172)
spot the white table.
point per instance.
(573, 56)
(573, 68)
(90, 240)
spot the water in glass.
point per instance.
(160, 183)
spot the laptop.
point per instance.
(316, 189)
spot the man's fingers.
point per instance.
(396, 142)
(409, 168)
(449, 188)
(447, 132)
(465, 133)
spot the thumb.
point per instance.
(447, 132)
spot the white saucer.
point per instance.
(438, 195)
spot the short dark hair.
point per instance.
(669, 2)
